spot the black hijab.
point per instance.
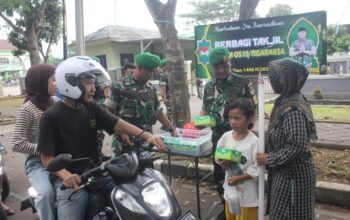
(287, 78)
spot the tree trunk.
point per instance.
(33, 47)
(164, 17)
(247, 9)
(246, 12)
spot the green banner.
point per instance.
(254, 43)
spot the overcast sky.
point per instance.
(134, 13)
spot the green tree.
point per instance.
(337, 41)
(279, 10)
(33, 22)
(210, 11)
(247, 9)
(217, 11)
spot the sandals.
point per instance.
(8, 210)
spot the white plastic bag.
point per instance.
(233, 198)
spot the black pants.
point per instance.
(218, 174)
(219, 177)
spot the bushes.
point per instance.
(318, 93)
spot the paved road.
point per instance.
(183, 189)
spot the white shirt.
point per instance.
(249, 148)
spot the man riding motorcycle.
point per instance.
(70, 126)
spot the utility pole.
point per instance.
(65, 46)
(115, 11)
(79, 27)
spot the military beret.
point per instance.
(163, 62)
(219, 55)
(147, 60)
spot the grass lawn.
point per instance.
(325, 112)
(331, 165)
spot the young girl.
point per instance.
(242, 176)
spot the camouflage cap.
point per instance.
(219, 55)
(163, 62)
(147, 60)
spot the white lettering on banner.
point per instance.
(244, 26)
(247, 42)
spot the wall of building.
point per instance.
(11, 65)
(113, 50)
(101, 48)
(124, 49)
(332, 87)
(187, 47)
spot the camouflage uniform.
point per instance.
(216, 95)
(100, 135)
(164, 81)
(134, 102)
(303, 58)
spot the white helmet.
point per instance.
(71, 71)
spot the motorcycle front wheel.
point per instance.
(5, 187)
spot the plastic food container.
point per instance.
(228, 154)
(190, 142)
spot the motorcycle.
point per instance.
(138, 192)
(5, 190)
(4, 184)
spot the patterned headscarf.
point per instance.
(287, 78)
(36, 85)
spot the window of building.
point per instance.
(126, 58)
(4, 60)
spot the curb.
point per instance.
(7, 122)
(330, 146)
(326, 192)
(12, 97)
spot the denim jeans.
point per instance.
(39, 179)
(73, 208)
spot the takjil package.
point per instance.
(207, 121)
(228, 154)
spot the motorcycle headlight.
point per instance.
(156, 199)
(129, 202)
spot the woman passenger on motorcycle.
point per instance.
(40, 86)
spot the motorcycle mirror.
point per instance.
(59, 162)
(155, 116)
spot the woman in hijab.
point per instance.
(291, 171)
(40, 87)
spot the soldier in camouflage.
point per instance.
(164, 87)
(303, 49)
(135, 100)
(218, 91)
(101, 94)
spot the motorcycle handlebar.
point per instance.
(85, 176)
